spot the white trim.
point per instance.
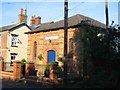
(51, 37)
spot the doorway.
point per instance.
(51, 56)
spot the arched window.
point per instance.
(71, 44)
(35, 50)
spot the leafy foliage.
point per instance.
(47, 70)
(60, 59)
(23, 67)
(100, 47)
(40, 57)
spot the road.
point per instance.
(17, 84)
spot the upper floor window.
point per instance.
(14, 40)
(0, 40)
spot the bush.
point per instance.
(60, 59)
(60, 72)
(47, 70)
(23, 67)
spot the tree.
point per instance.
(98, 52)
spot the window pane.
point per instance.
(14, 40)
(13, 57)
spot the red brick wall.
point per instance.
(43, 45)
(16, 74)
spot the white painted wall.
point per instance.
(22, 47)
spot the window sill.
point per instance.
(14, 46)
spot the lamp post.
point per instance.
(65, 40)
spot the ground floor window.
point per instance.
(13, 57)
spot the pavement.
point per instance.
(20, 84)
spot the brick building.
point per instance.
(47, 39)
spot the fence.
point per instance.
(15, 70)
(41, 69)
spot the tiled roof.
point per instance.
(6, 28)
(11, 27)
(43, 24)
(72, 21)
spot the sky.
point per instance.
(119, 13)
(53, 10)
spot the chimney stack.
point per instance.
(22, 17)
(35, 20)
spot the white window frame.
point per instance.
(14, 40)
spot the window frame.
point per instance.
(14, 43)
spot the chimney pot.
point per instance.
(25, 12)
(21, 11)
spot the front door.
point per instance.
(51, 56)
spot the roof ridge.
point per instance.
(74, 20)
(7, 25)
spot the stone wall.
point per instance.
(49, 40)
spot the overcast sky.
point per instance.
(54, 11)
